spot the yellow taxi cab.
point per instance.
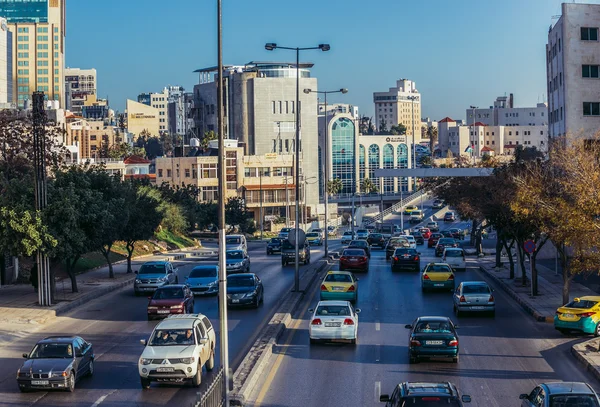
(339, 285)
(410, 208)
(581, 314)
(437, 276)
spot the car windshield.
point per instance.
(417, 234)
(358, 243)
(203, 272)
(355, 252)
(347, 233)
(433, 326)
(398, 242)
(172, 337)
(362, 231)
(168, 293)
(233, 240)
(52, 351)
(573, 400)
(240, 281)
(235, 255)
(285, 230)
(376, 235)
(400, 252)
(582, 304)
(338, 278)
(475, 289)
(334, 310)
(438, 268)
(446, 241)
(449, 214)
(285, 244)
(276, 240)
(428, 401)
(435, 235)
(418, 212)
(152, 269)
(312, 234)
(454, 253)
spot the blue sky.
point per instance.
(459, 52)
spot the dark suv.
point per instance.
(274, 245)
(376, 239)
(425, 395)
(288, 253)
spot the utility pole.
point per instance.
(262, 216)
(414, 148)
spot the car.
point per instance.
(284, 233)
(410, 208)
(348, 236)
(457, 233)
(204, 280)
(412, 242)
(339, 285)
(274, 245)
(425, 394)
(237, 261)
(154, 274)
(360, 244)
(406, 258)
(370, 228)
(319, 231)
(416, 216)
(331, 230)
(236, 242)
(442, 244)
(433, 239)
(314, 239)
(418, 237)
(393, 244)
(582, 314)
(474, 296)
(447, 233)
(354, 259)
(333, 320)
(172, 299)
(362, 234)
(432, 337)
(433, 226)
(455, 258)
(56, 363)
(437, 276)
(425, 232)
(438, 204)
(376, 239)
(244, 289)
(178, 348)
(288, 253)
(561, 394)
(449, 217)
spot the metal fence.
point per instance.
(394, 208)
(214, 395)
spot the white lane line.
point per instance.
(378, 355)
(377, 326)
(377, 391)
(101, 399)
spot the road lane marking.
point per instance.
(377, 391)
(101, 399)
(377, 326)
(378, 354)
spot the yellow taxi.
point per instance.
(438, 276)
(581, 314)
(339, 285)
(410, 209)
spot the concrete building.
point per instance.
(142, 117)
(6, 85)
(38, 47)
(573, 72)
(96, 109)
(89, 135)
(395, 106)
(158, 101)
(260, 111)
(179, 116)
(504, 113)
(79, 84)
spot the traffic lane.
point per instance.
(501, 357)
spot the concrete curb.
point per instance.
(581, 350)
(523, 303)
(92, 295)
(258, 359)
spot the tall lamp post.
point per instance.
(326, 165)
(473, 135)
(323, 47)
(414, 148)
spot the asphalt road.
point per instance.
(501, 357)
(115, 323)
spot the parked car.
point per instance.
(438, 276)
(376, 239)
(284, 233)
(237, 261)
(457, 233)
(314, 239)
(274, 245)
(561, 394)
(418, 237)
(474, 296)
(56, 363)
(288, 253)
(244, 289)
(438, 204)
(173, 299)
(339, 285)
(333, 320)
(432, 337)
(177, 350)
(433, 226)
(354, 259)
(154, 274)
(416, 216)
(236, 242)
(393, 244)
(362, 234)
(433, 239)
(581, 314)
(449, 217)
(443, 243)
(425, 394)
(348, 236)
(360, 244)
(204, 280)
(425, 232)
(406, 258)
(410, 208)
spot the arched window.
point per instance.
(361, 162)
(402, 162)
(373, 162)
(388, 162)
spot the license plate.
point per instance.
(164, 369)
(434, 342)
(39, 382)
(338, 288)
(235, 301)
(332, 324)
(163, 311)
(568, 315)
(439, 285)
(353, 259)
(476, 307)
(406, 256)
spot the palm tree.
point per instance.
(334, 186)
(367, 186)
(432, 133)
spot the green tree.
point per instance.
(207, 138)
(236, 214)
(366, 125)
(173, 218)
(22, 233)
(367, 186)
(334, 186)
(383, 127)
(398, 129)
(121, 122)
(432, 134)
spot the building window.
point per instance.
(589, 33)
(250, 172)
(541, 132)
(160, 172)
(209, 194)
(589, 71)
(591, 108)
(169, 173)
(187, 172)
(493, 142)
(208, 170)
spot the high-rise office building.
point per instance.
(79, 84)
(38, 47)
(5, 63)
(399, 105)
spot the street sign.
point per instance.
(301, 237)
(529, 246)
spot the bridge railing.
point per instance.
(394, 208)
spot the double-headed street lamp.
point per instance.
(326, 154)
(323, 47)
(414, 147)
(472, 138)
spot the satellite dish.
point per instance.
(301, 237)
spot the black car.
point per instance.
(447, 233)
(406, 258)
(274, 245)
(288, 253)
(376, 239)
(418, 237)
(443, 243)
(457, 233)
(56, 363)
(422, 394)
(393, 244)
(360, 244)
(244, 290)
(449, 217)
(432, 337)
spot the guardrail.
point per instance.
(398, 205)
(214, 396)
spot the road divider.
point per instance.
(587, 354)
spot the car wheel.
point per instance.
(412, 360)
(423, 289)
(283, 263)
(562, 331)
(313, 341)
(23, 389)
(456, 311)
(176, 280)
(387, 258)
(91, 368)
(367, 270)
(197, 379)
(256, 302)
(137, 293)
(455, 360)
(71, 383)
(597, 330)
(210, 363)
(150, 318)
(493, 314)
(145, 383)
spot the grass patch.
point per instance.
(174, 239)
(138, 248)
(95, 259)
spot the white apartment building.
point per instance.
(159, 101)
(401, 104)
(504, 113)
(5, 63)
(79, 84)
(573, 71)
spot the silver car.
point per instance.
(236, 242)
(474, 296)
(154, 274)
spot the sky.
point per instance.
(459, 53)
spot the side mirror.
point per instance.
(408, 326)
(135, 271)
(523, 396)
(357, 311)
(465, 398)
(203, 341)
(26, 355)
(143, 342)
(384, 398)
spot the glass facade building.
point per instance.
(342, 153)
(24, 11)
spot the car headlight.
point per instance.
(152, 307)
(228, 296)
(60, 374)
(237, 265)
(144, 361)
(163, 279)
(212, 283)
(249, 295)
(176, 306)
(138, 281)
(188, 361)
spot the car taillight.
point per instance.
(396, 258)
(323, 287)
(363, 258)
(462, 298)
(586, 314)
(491, 299)
(414, 342)
(425, 277)
(343, 258)
(416, 257)
(451, 277)
(348, 321)
(453, 342)
(316, 321)
(351, 288)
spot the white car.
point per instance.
(455, 258)
(416, 216)
(348, 236)
(362, 234)
(177, 350)
(411, 241)
(334, 320)
(284, 233)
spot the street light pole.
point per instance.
(287, 205)
(414, 148)
(262, 217)
(472, 136)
